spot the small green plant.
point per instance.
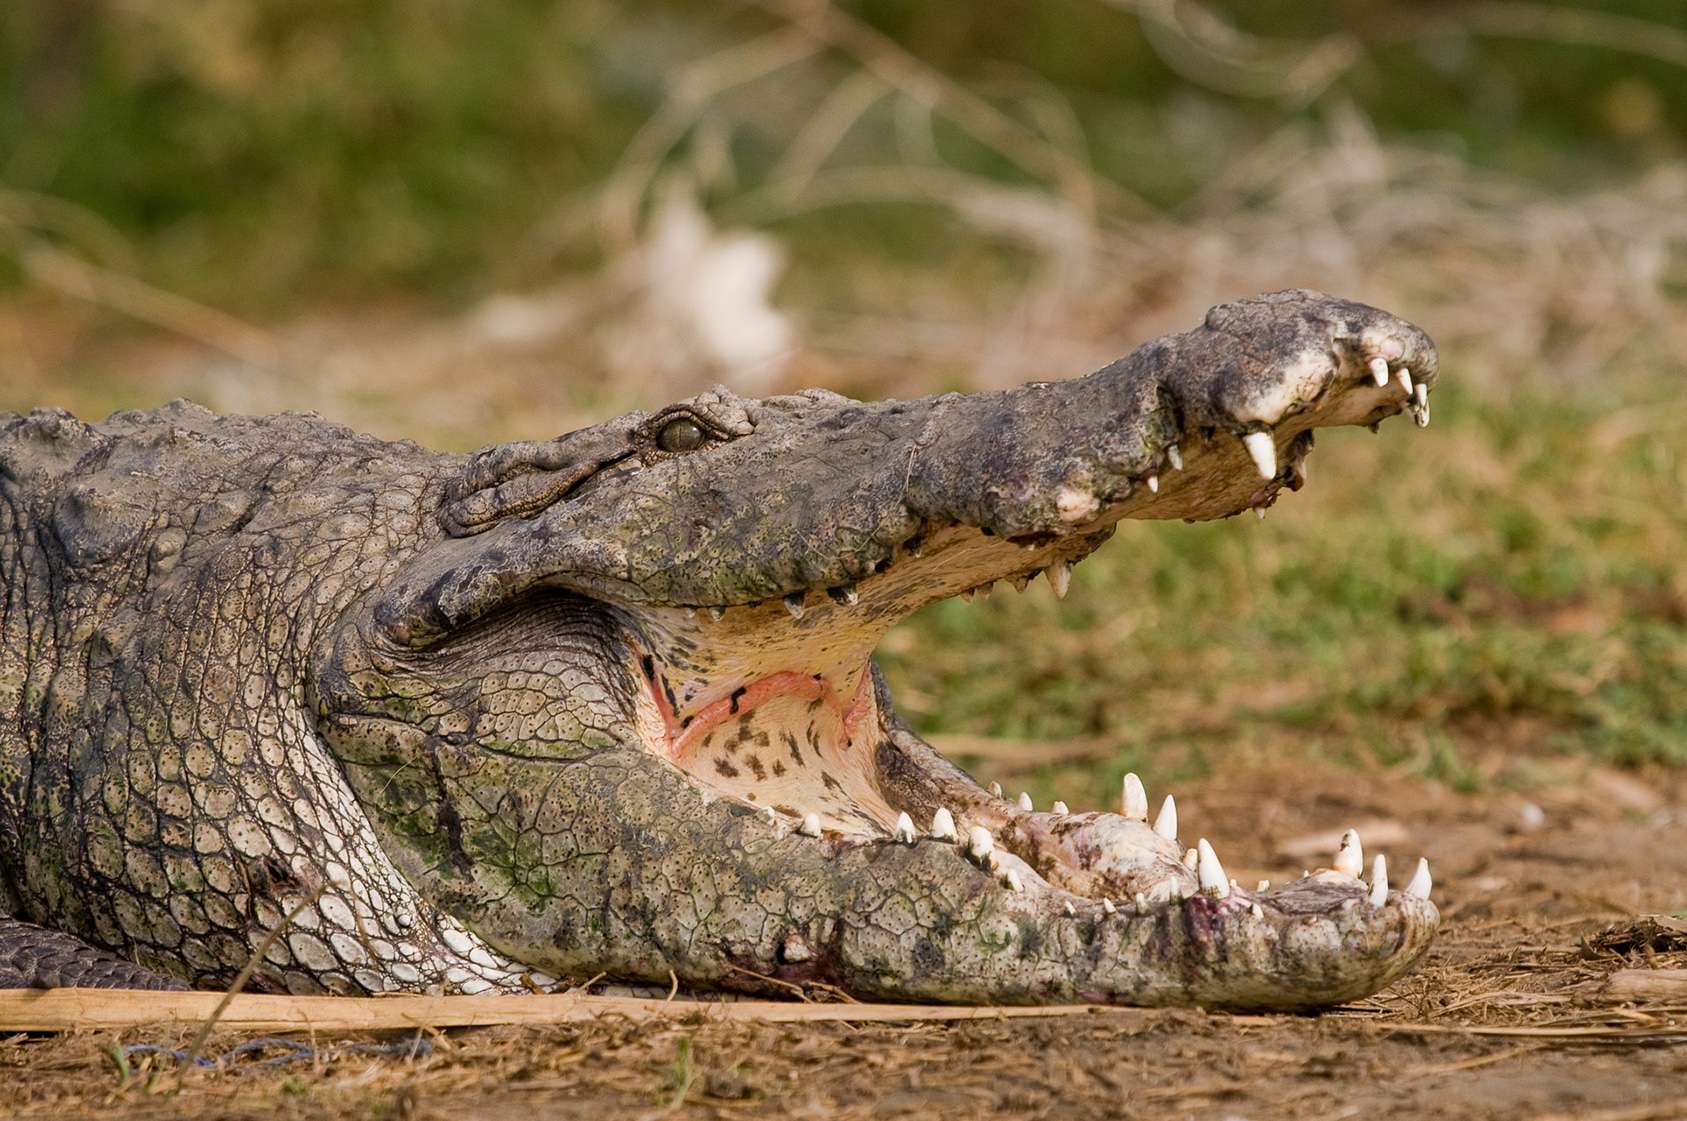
(682, 1072)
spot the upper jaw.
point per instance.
(1197, 426)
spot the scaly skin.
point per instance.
(605, 705)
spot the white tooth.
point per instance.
(1166, 823)
(904, 828)
(1133, 798)
(1264, 453)
(1070, 910)
(996, 789)
(1379, 371)
(767, 814)
(1211, 872)
(1107, 906)
(1025, 801)
(1075, 504)
(1350, 857)
(1259, 512)
(1258, 911)
(943, 825)
(1060, 807)
(1174, 457)
(1154, 483)
(1011, 878)
(1141, 902)
(1264, 885)
(794, 604)
(1405, 378)
(1060, 578)
(1191, 859)
(1420, 393)
(810, 826)
(979, 843)
(1421, 416)
(1420, 883)
(1379, 881)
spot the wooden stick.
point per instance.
(58, 1010)
(1645, 984)
(1531, 1031)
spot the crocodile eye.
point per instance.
(681, 435)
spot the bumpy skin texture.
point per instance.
(558, 709)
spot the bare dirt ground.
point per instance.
(1524, 1009)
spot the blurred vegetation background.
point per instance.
(466, 222)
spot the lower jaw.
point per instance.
(815, 766)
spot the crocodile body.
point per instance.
(604, 705)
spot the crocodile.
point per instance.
(354, 716)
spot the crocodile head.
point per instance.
(623, 718)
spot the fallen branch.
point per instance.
(62, 1010)
(1645, 984)
(1545, 1031)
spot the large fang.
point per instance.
(1166, 823)
(1379, 371)
(794, 604)
(1133, 799)
(1025, 801)
(1060, 578)
(904, 828)
(1213, 880)
(810, 826)
(1405, 377)
(1420, 883)
(1154, 483)
(1350, 857)
(943, 825)
(1264, 453)
(1174, 457)
(980, 844)
(1379, 881)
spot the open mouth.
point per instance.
(757, 804)
(775, 705)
